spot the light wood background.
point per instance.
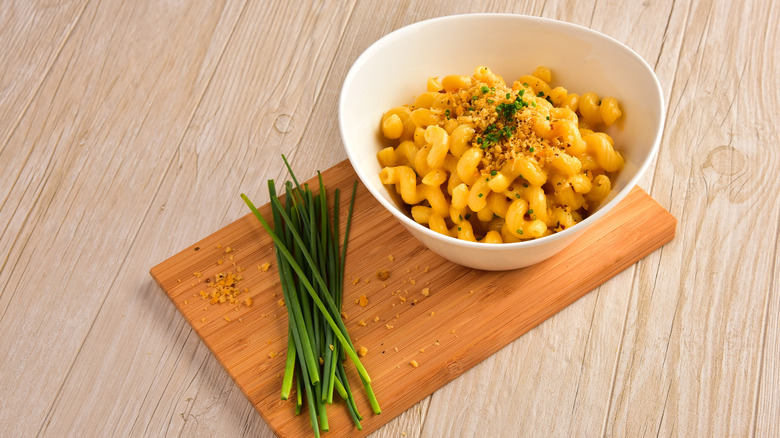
(127, 130)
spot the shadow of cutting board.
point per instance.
(463, 317)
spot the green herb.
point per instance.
(471, 108)
(490, 101)
(519, 231)
(517, 195)
(458, 228)
(548, 117)
(311, 264)
(540, 94)
(479, 195)
(447, 113)
(531, 150)
(533, 102)
(525, 84)
(493, 173)
(484, 89)
(525, 185)
(530, 212)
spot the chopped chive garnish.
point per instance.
(484, 89)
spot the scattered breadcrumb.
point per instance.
(426, 292)
(280, 302)
(391, 258)
(356, 280)
(240, 320)
(264, 267)
(218, 246)
(362, 323)
(185, 302)
(412, 280)
(179, 280)
(223, 289)
(240, 269)
(220, 261)
(427, 269)
(227, 318)
(344, 315)
(376, 319)
(414, 363)
(388, 326)
(332, 348)
(322, 361)
(196, 274)
(362, 351)
(272, 354)
(248, 302)
(203, 320)
(471, 292)
(453, 331)
(436, 343)
(367, 280)
(228, 250)
(383, 274)
(396, 349)
(422, 350)
(403, 299)
(433, 313)
(362, 301)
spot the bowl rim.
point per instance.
(569, 232)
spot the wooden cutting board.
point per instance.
(463, 317)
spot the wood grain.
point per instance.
(445, 317)
(128, 128)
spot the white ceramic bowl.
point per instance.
(395, 69)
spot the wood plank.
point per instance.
(93, 145)
(25, 61)
(692, 348)
(468, 316)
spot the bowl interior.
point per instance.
(395, 69)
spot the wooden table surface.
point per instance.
(128, 129)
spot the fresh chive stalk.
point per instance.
(311, 259)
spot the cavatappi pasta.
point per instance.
(482, 161)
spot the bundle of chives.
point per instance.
(311, 273)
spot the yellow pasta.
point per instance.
(481, 161)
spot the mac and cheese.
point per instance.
(482, 161)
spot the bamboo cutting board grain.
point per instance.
(445, 317)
